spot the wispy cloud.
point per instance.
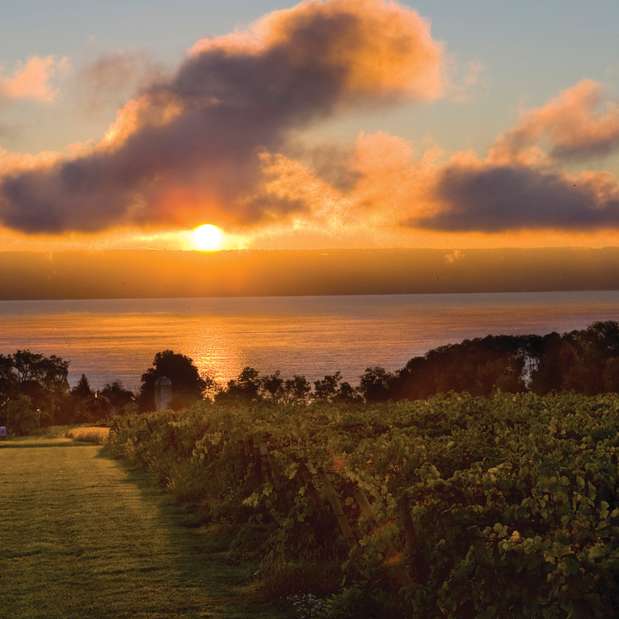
(33, 79)
(581, 123)
(112, 77)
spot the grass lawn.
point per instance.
(83, 537)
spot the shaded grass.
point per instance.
(84, 537)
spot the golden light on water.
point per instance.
(207, 238)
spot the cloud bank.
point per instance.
(519, 184)
(492, 198)
(199, 145)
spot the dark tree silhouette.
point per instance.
(376, 385)
(272, 387)
(82, 390)
(326, 389)
(297, 389)
(117, 396)
(43, 380)
(187, 384)
(20, 416)
(247, 387)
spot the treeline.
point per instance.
(35, 392)
(583, 361)
(34, 389)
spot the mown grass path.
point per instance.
(82, 537)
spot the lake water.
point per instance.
(117, 339)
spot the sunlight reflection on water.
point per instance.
(110, 339)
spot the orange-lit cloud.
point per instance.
(192, 147)
(223, 139)
(520, 186)
(462, 193)
(33, 79)
(578, 124)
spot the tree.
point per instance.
(187, 384)
(247, 386)
(20, 416)
(8, 379)
(297, 389)
(332, 389)
(376, 384)
(272, 387)
(82, 390)
(42, 379)
(117, 396)
(347, 393)
(49, 372)
(326, 389)
(81, 406)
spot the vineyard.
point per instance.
(450, 507)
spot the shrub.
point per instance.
(21, 416)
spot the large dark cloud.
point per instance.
(187, 149)
(493, 198)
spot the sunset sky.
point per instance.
(341, 123)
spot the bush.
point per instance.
(21, 417)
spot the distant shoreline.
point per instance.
(154, 274)
(313, 296)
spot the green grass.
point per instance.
(84, 537)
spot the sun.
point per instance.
(207, 238)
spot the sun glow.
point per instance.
(207, 238)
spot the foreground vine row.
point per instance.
(454, 507)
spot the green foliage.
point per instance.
(20, 417)
(42, 379)
(187, 384)
(584, 361)
(456, 507)
(82, 390)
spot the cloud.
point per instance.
(580, 123)
(465, 81)
(486, 197)
(112, 77)
(518, 186)
(523, 189)
(33, 79)
(15, 163)
(194, 147)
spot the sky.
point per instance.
(341, 123)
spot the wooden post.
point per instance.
(329, 493)
(364, 504)
(416, 566)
